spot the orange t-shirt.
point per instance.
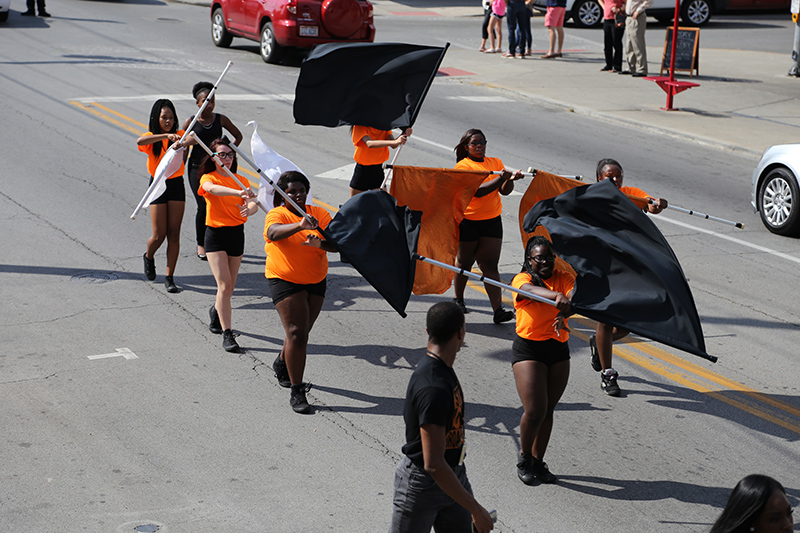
(289, 259)
(488, 206)
(535, 319)
(222, 211)
(369, 156)
(153, 161)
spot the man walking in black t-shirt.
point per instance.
(431, 488)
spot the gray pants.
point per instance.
(419, 504)
(635, 51)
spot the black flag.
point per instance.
(380, 85)
(627, 273)
(379, 239)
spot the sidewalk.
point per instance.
(745, 101)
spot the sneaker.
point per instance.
(28, 13)
(279, 366)
(149, 268)
(44, 14)
(525, 469)
(229, 344)
(298, 399)
(169, 283)
(502, 315)
(461, 305)
(542, 472)
(595, 356)
(214, 326)
(608, 382)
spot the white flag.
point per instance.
(273, 165)
(169, 165)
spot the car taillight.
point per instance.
(291, 7)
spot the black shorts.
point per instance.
(473, 230)
(367, 177)
(175, 191)
(228, 239)
(549, 352)
(281, 289)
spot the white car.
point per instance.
(4, 7)
(588, 13)
(775, 194)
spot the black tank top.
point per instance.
(206, 134)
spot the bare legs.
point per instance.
(486, 251)
(298, 313)
(166, 221)
(540, 388)
(605, 335)
(225, 270)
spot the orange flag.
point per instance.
(442, 194)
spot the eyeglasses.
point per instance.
(224, 155)
(542, 260)
(477, 143)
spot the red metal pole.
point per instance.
(671, 91)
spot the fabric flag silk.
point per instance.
(273, 165)
(380, 85)
(442, 195)
(169, 165)
(379, 239)
(627, 274)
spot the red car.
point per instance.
(281, 24)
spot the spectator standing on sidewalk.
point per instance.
(516, 20)
(554, 21)
(431, 488)
(32, 13)
(495, 27)
(635, 25)
(487, 17)
(613, 32)
(600, 344)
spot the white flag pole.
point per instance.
(156, 182)
(277, 189)
(226, 169)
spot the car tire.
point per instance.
(271, 51)
(587, 14)
(696, 12)
(779, 202)
(219, 33)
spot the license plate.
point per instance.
(309, 31)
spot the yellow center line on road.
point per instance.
(692, 376)
(120, 115)
(114, 121)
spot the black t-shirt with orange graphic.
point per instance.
(434, 396)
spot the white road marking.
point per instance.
(184, 97)
(121, 352)
(481, 98)
(342, 173)
(732, 239)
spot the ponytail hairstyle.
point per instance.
(461, 147)
(155, 123)
(533, 242)
(200, 87)
(608, 162)
(207, 165)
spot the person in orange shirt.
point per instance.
(600, 344)
(166, 211)
(540, 354)
(297, 264)
(227, 209)
(371, 151)
(481, 231)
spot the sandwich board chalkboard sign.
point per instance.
(687, 51)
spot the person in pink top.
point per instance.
(613, 31)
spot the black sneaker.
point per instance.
(214, 326)
(229, 344)
(279, 366)
(609, 382)
(460, 303)
(44, 14)
(525, 469)
(169, 283)
(29, 13)
(541, 471)
(502, 314)
(298, 399)
(595, 356)
(149, 267)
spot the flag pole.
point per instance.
(268, 180)
(531, 172)
(737, 225)
(389, 167)
(185, 133)
(484, 279)
(226, 169)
